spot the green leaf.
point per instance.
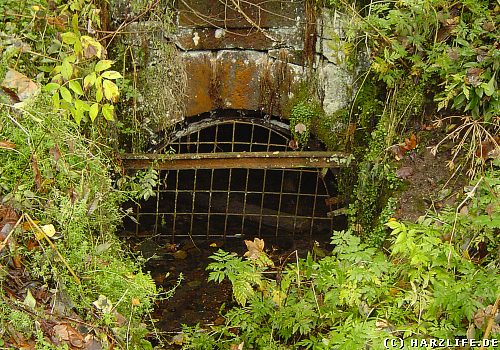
(69, 38)
(89, 80)
(66, 69)
(108, 111)
(77, 115)
(51, 87)
(82, 106)
(76, 87)
(110, 90)
(94, 110)
(489, 89)
(98, 94)
(103, 65)
(30, 300)
(66, 94)
(111, 74)
(74, 22)
(56, 101)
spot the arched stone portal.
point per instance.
(230, 174)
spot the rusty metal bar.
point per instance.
(241, 160)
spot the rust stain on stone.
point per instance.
(199, 70)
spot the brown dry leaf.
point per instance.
(36, 171)
(61, 332)
(398, 151)
(293, 144)
(7, 144)
(57, 22)
(55, 153)
(410, 143)
(255, 248)
(334, 200)
(237, 346)
(91, 343)
(27, 226)
(75, 338)
(482, 316)
(25, 86)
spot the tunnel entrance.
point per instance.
(229, 174)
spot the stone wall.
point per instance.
(254, 57)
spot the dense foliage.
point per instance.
(426, 285)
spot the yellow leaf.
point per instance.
(49, 230)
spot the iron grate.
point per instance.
(233, 202)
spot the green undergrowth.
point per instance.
(54, 175)
(436, 280)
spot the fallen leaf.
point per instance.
(29, 300)
(178, 339)
(49, 230)
(24, 86)
(410, 143)
(237, 346)
(255, 248)
(136, 302)
(398, 151)
(103, 304)
(293, 144)
(7, 144)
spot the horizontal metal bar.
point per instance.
(232, 160)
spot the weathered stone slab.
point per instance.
(249, 38)
(200, 89)
(215, 13)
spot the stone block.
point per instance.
(215, 13)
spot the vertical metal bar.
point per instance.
(297, 199)
(210, 202)
(198, 142)
(264, 184)
(314, 204)
(245, 203)
(233, 137)
(157, 205)
(193, 201)
(251, 138)
(227, 201)
(279, 203)
(216, 137)
(137, 223)
(174, 215)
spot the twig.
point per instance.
(470, 195)
(53, 246)
(491, 319)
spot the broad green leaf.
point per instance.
(56, 101)
(82, 106)
(77, 115)
(103, 65)
(66, 94)
(111, 74)
(51, 87)
(91, 47)
(66, 70)
(110, 90)
(89, 80)
(76, 87)
(489, 89)
(98, 95)
(108, 111)
(69, 38)
(94, 110)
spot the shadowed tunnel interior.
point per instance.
(235, 202)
